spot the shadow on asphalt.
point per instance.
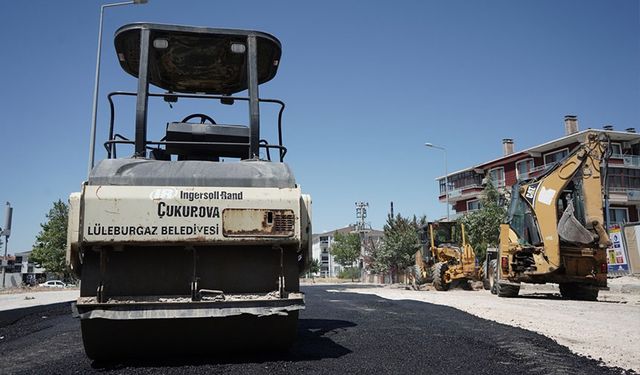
(312, 344)
(546, 296)
(557, 297)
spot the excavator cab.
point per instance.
(446, 234)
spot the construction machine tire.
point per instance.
(417, 274)
(502, 289)
(491, 275)
(465, 284)
(107, 340)
(578, 292)
(486, 283)
(439, 271)
(506, 290)
(419, 278)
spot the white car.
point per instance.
(53, 284)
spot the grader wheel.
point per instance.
(439, 276)
(491, 278)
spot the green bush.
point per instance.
(352, 273)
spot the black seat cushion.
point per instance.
(236, 135)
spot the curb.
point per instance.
(8, 317)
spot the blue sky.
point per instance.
(366, 85)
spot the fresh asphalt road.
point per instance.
(338, 333)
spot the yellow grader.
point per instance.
(445, 257)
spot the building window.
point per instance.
(461, 180)
(442, 184)
(618, 215)
(624, 178)
(474, 205)
(616, 150)
(496, 175)
(523, 167)
(556, 156)
(442, 189)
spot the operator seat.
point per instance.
(231, 141)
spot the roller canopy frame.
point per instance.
(188, 59)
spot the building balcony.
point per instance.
(462, 193)
(534, 172)
(629, 161)
(624, 195)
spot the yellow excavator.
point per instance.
(445, 257)
(555, 230)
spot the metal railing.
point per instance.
(116, 139)
(628, 160)
(456, 192)
(534, 171)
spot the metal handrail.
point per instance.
(471, 186)
(623, 189)
(109, 144)
(112, 142)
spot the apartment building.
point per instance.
(22, 271)
(321, 248)
(465, 186)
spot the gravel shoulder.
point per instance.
(21, 299)
(606, 330)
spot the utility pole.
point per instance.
(6, 232)
(362, 228)
(361, 215)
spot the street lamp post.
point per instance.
(6, 232)
(94, 112)
(446, 174)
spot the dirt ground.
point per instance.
(606, 330)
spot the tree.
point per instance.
(346, 249)
(314, 267)
(483, 225)
(49, 249)
(401, 241)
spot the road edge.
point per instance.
(8, 317)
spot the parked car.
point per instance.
(53, 284)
